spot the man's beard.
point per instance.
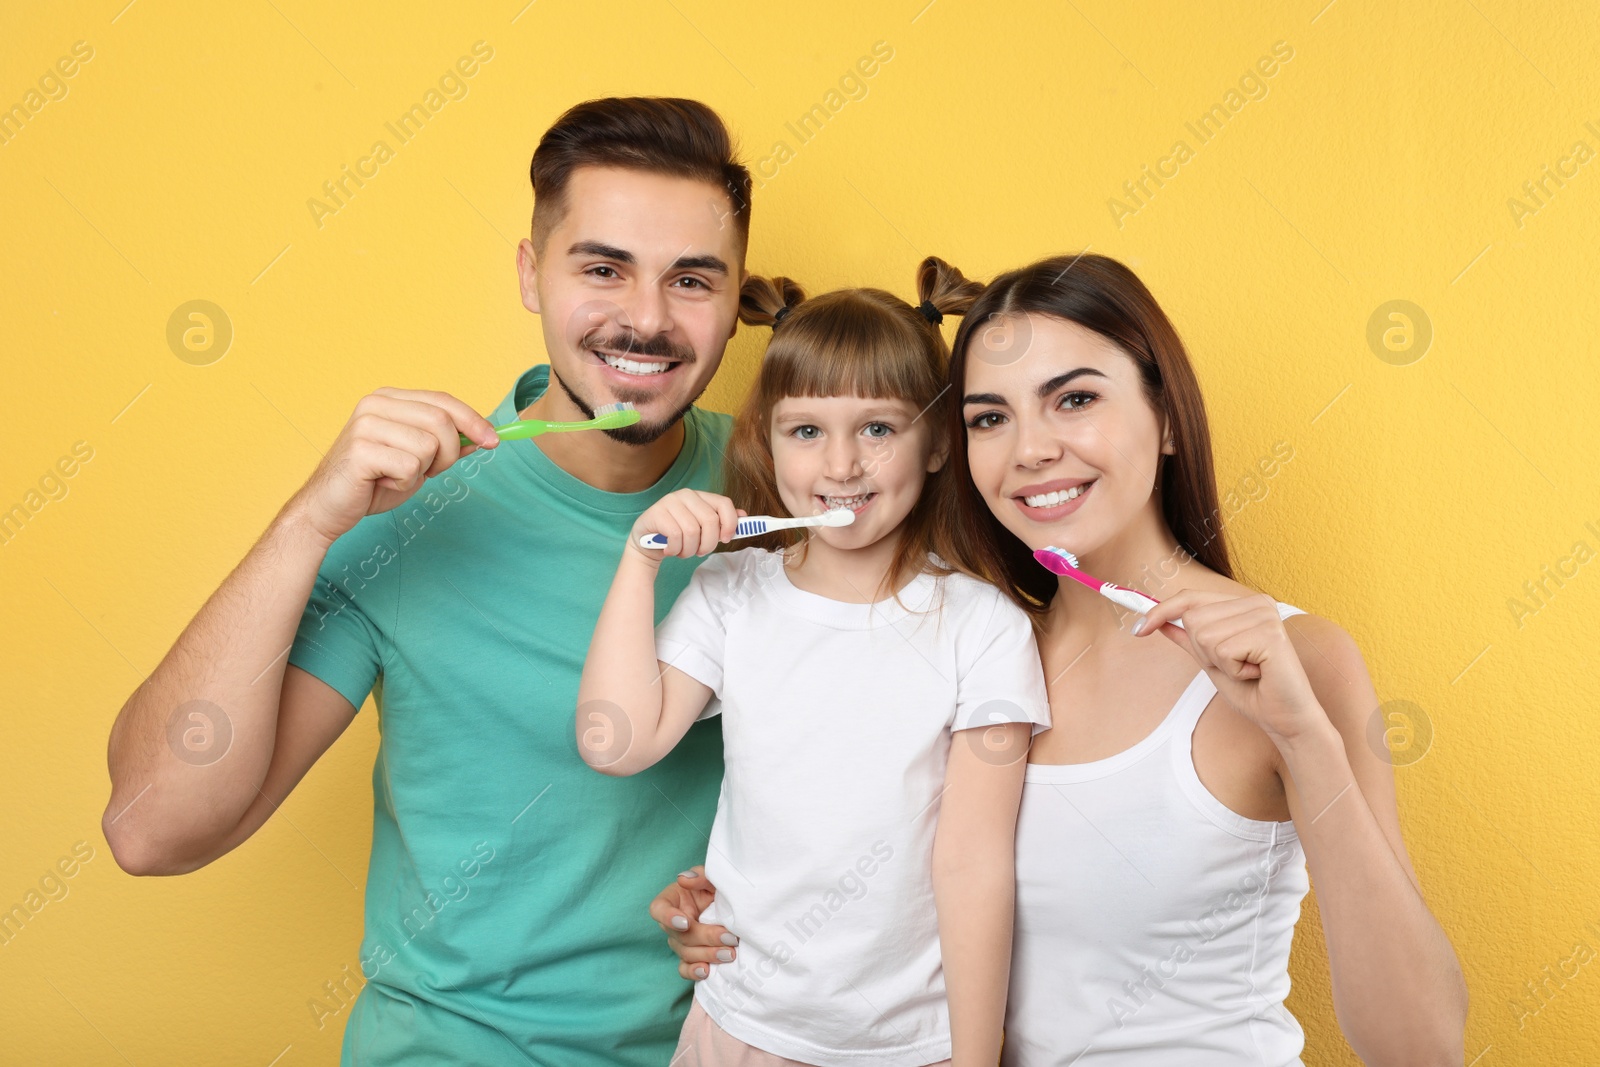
(641, 432)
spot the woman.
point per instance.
(1192, 779)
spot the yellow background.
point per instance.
(1378, 166)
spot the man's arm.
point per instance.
(176, 805)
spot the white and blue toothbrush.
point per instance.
(754, 525)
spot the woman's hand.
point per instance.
(694, 524)
(699, 946)
(1243, 647)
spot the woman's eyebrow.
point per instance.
(1044, 390)
(1062, 379)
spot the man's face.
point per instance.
(638, 291)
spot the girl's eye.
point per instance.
(873, 429)
(984, 421)
(1077, 401)
(806, 433)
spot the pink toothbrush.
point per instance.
(1060, 561)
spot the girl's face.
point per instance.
(1061, 441)
(868, 454)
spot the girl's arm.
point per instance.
(974, 882)
(632, 709)
(1398, 990)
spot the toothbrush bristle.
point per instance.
(839, 517)
(612, 409)
(1059, 555)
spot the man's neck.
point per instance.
(596, 459)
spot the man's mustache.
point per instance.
(660, 346)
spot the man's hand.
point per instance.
(698, 945)
(395, 441)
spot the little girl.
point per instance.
(877, 706)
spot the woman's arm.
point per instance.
(1398, 989)
(699, 946)
(632, 709)
(974, 882)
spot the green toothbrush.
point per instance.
(609, 417)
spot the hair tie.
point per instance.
(931, 313)
(778, 316)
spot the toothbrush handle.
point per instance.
(515, 431)
(1133, 600)
(655, 540)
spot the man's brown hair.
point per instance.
(664, 135)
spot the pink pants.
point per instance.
(705, 1044)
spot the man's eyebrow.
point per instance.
(621, 255)
(701, 262)
(604, 251)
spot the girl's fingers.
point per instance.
(670, 527)
(707, 525)
(686, 530)
(722, 520)
(729, 516)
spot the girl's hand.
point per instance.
(1243, 647)
(699, 946)
(694, 524)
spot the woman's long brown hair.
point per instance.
(1099, 294)
(850, 342)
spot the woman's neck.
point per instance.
(1144, 556)
(855, 576)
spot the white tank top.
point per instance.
(1153, 923)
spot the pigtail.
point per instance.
(945, 288)
(762, 301)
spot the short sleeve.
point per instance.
(693, 636)
(1000, 678)
(338, 639)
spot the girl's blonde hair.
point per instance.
(850, 342)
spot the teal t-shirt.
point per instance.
(507, 897)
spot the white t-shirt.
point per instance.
(837, 725)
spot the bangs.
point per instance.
(851, 344)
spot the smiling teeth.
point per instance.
(633, 366)
(1060, 496)
(851, 502)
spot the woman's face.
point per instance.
(1061, 441)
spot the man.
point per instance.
(506, 897)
